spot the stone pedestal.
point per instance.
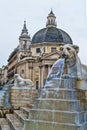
(59, 108)
(22, 96)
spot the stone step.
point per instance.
(14, 122)
(22, 116)
(17, 104)
(59, 94)
(25, 110)
(21, 102)
(4, 125)
(61, 83)
(3, 121)
(57, 104)
(45, 125)
(57, 116)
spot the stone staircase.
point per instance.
(16, 120)
(21, 99)
(4, 125)
(61, 108)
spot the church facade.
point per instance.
(35, 57)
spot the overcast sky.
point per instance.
(70, 16)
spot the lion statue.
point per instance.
(20, 82)
(73, 67)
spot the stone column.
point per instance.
(25, 71)
(31, 71)
(42, 79)
(49, 67)
(39, 76)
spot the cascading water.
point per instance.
(57, 69)
(56, 72)
(5, 96)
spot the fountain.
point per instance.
(61, 105)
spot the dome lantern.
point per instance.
(51, 20)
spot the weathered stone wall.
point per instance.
(22, 96)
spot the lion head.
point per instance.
(69, 52)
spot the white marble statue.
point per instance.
(21, 82)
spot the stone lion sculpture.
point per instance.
(20, 82)
(73, 67)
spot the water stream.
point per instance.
(56, 72)
(5, 96)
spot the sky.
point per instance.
(71, 16)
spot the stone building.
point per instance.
(12, 61)
(34, 57)
(3, 75)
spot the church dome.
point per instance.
(51, 33)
